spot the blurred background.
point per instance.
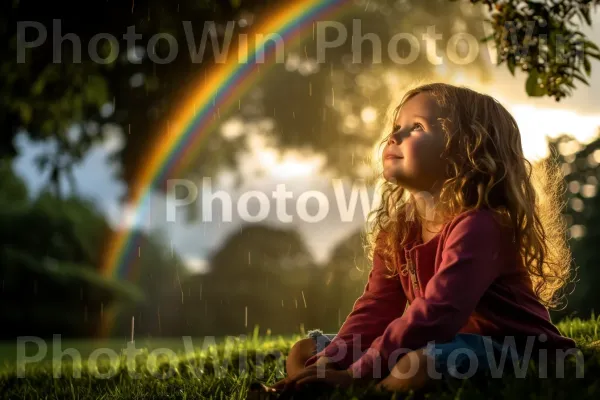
(76, 135)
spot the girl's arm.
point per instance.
(382, 301)
(472, 258)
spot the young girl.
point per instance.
(467, 258)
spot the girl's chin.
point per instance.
(392, 177)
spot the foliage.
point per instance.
(582, 213)
(57, 88)
(50, 256)
(543, 40)
(260, 275)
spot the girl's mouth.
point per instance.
(392, 157)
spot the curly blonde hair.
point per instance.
(486, 169)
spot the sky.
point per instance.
(537, 117)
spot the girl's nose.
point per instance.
(394, 138)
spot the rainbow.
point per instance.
(185, 134)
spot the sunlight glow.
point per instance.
(537, 123)
(291, 164)
(368, 115)
(128, 219)
(131, 217)
(232, 128)
(196, 265)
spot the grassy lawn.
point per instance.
(221, 368)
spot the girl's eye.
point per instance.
(395, 128)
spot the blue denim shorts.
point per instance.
(467, 353)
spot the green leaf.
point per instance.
(532, 87)
(511, 65)
(577, 75)
(596, 56)
(585, 12)
(592, 45)
(587, 67)
(95, 90)
(26, 111)
(486, 38)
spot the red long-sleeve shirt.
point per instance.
(469, 279)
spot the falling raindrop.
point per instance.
(158, 314)
(303, 298)
(139, 251)
(200, 291)
(296, 301)
(332, 97)
(248, 258)
(310, 88)
(180, 287)
(129, 129)
(246, 318)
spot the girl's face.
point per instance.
(411, 157)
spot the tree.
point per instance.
(543, 40)
(48, 258)
(262, 271)
(580, 168)
(137, 95)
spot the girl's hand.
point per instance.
(321, 361)
(288, 381)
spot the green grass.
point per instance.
(230, 365)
